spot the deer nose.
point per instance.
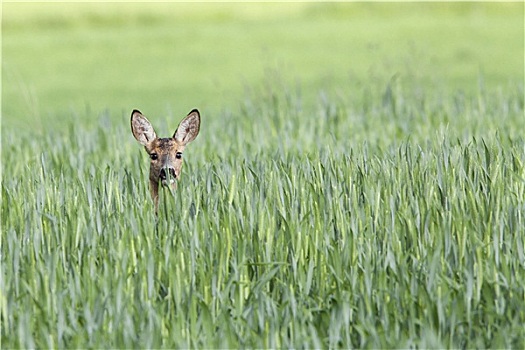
(164, 173)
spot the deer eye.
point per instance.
(154, 156)
(178, 155)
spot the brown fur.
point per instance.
(166, 154)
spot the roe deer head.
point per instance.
(165, 153)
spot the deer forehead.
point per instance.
(165, 146)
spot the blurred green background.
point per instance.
(68, 62)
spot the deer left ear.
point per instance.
(188, 128)
(142, 128)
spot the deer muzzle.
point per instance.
(167, 176)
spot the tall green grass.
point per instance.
(398, 222)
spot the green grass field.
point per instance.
(358, 182)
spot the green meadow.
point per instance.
(358, 181)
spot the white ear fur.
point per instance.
(142, 128)
(188, 128)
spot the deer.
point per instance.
(165, 153)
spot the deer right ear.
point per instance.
(188, 128)
(142, 128)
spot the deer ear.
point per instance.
(188, 128)
(142, 128)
